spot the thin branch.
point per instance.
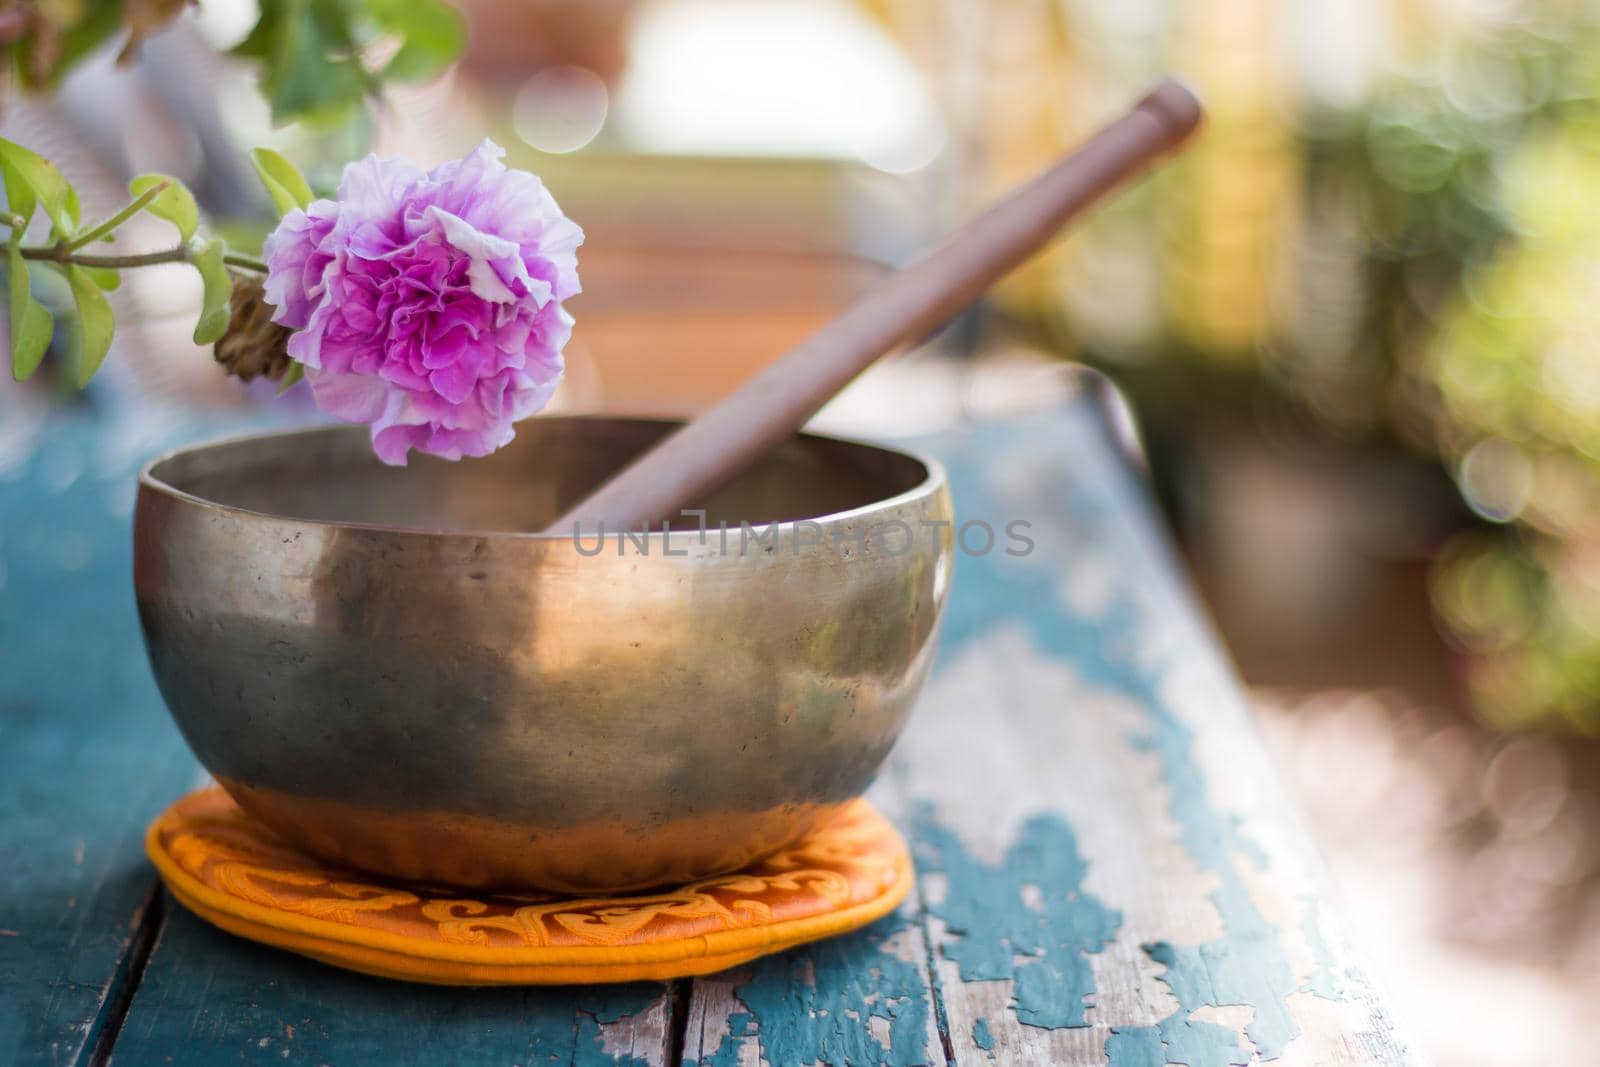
(104, 228)
(59, 254)
(180, 254)
(239, 259)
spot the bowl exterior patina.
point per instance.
(385, 667)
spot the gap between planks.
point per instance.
(151, 917)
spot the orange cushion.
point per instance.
(239, 876)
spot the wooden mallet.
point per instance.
(687, 464)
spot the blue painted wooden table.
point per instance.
(1108, 871)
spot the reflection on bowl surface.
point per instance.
(388, 668)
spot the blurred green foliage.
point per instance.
(1515, 363)
(320, 60)
(1423, 286)
(1469, 182)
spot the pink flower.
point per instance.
(428, 304)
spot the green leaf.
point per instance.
(314, 55)
(259, 42)
(207, 259)
(292, 377)
(174, 203)
(433, 35)
(314, 72)
(106, 278)
(19, 194)
(96, 323)
(283, 180)
(26, 169)
(31, 324)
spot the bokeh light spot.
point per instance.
(561, 109)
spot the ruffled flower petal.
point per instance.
(428, 304)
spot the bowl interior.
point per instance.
(330, 475)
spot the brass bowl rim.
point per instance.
(932, 483)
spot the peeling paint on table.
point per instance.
(981, 1035)
(1027, 919)
(1142, 632)
(860, 999)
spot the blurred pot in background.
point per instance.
(509, 41)
(733, 201)
(699, 272)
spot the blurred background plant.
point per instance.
(1377, 271)
(319, 61)
(1514, 362)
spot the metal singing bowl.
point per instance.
(383, 666)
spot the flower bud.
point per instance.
(254, 344)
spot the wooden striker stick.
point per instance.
(906, 307)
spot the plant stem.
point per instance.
(132, 208)
(180, 254)
(60, 254)
(239, 259)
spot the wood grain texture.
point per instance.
(859, 999)
(87, 752)
(1110, 870)
(207, 997)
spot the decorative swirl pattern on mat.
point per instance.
(236, 873)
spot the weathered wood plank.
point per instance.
(207, 997)
(858, 999)
(1109, 868)
(87, 752)
(1108, 872)
(862, 998)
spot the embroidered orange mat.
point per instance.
(233, 873)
